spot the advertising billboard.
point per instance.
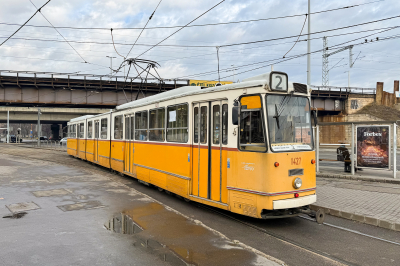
(207, 83)
(373, 146)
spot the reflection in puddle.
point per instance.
(178, 240)
(123, 224)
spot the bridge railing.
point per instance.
(343, 90)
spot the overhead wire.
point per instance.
(38, 10)
(58, 31)
(144, 28)
(298, 37)
(197, 25)
(181, 28)
(289, 58)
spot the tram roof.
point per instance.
(259, 80)
(80, 118)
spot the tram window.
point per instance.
(132, 119)
(157, 124)
(141, 126)
(225, 124)
(96, 129)
(81, 130)
(251, 125)
(69, 131)
(90, 130)
(177, 126)
(103, 134)
(196, 125)
(203, 124)
(74, 130)
(216, 124)
(127, 137)
(118, 127)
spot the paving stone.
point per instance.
(371, 221)
(53, 192)
(358, 218)
(347, 215)
(81, 205)
(23, 206)
(386, 224)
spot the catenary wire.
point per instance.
(58, 32)
(21, 26)
(143, 28)
(197, 25)
(181, 28)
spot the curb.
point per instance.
(360, 178)
(359, 218)
(49, 149)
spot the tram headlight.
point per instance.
(297, 183)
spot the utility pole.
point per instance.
(325, 61)
(38, 130)
(309, 46)
(111, 57)
(8, 126)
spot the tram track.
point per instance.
(352, 231)
(313, 251)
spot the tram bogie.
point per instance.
(244, 147)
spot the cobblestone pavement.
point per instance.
(369, 202)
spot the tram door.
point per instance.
(209, 175)
(96, 141)
(129, 134)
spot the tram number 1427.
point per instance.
(296, 161)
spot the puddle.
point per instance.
(178, 240)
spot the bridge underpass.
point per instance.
(55, 116)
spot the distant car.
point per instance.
(63, 140)
(13, 139)
(43, 138)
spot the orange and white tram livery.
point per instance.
(245, 147)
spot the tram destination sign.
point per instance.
(373, 146)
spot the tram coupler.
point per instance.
(318, 215)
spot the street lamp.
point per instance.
(111, 57)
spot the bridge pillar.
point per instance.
(379, 93)
(55, 131)
(64, 130)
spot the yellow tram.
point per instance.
(245, 147)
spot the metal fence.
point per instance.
(49, 144)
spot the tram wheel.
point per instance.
(320, 216)
(160, 189)
(186, 199)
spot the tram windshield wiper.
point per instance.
(276, 116)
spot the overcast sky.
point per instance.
(34, 48)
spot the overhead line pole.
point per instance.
(309, 46)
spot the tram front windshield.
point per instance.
(289, 124)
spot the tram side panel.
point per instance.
(165, 165)
(117, 155)
(90, 150)
(104, 153)
(72, 146)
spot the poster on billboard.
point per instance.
(373, 146)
